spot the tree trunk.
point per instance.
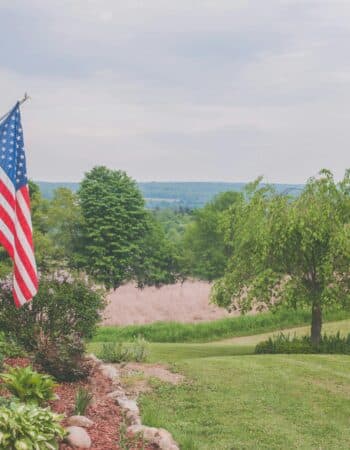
(316, 324)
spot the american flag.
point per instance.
(15, 219)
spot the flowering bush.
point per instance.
(65, 304)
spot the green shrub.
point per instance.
(284, 343)
(117, 352)
(28, 427)
(82, 400)
(9, 348)
(29, 386)
(64, 305)
(62, 357)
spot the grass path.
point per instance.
(343, 326)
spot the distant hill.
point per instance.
(174, 195)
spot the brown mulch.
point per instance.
(103, 411)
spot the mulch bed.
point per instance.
(106, 415)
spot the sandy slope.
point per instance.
(186, 302)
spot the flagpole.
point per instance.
(24, 99)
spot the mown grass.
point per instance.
(233, 399)
(214, 330)
(255, 402)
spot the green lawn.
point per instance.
(233, 399)
(256, 402)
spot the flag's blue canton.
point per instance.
(12, 157)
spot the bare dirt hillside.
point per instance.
(181, 302)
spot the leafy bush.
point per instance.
(117, 352)
(284, 343)
(64, 305)
(28, 427)
(29, 386)
(62, 356)
(9, 348)
(82, 400)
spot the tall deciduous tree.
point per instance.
(121, 241)
(294, 250)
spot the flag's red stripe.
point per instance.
(22, 285)
(7, 194)
(24, 224)
(17, 302)
(26, 262)
(7, 220)
(6, 244)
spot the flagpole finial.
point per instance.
(24, 99)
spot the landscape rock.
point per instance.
(157, 436)
(80, 421)
(78, 437)
(94, 358)
(110, 371)
(133, 418)
(129, 405)
(116, 393)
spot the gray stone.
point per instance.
(78, 437)
(115, 394)
(109, 371)
(133, 418)
(94, 358)
(127, 404)
(157, 436)
(79, 421)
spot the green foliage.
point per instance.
(83, 399)
(29, 386)
(65, 304)
(64, 224)
(284, 343)
(213, 330)
(9, 348)
(117, 352)
(115, 224)
(27, 427)
(205, 250)
(289, 250)
(120, 240)
(62, 356)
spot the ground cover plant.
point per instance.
(214, 330)
(28, 385)
(117, 352)
(27, 427)
(285, 343)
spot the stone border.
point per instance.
(157, 436)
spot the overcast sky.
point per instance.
(217, 90)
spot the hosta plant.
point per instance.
(29, 386)
(28, 427)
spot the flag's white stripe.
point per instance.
(25, 244)
(19, 292)
(24, 208)
(8, 234)
(7, 182)
(24, 274)
(7, 207)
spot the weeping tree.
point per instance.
(289, 250)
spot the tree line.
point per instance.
(257, 245)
